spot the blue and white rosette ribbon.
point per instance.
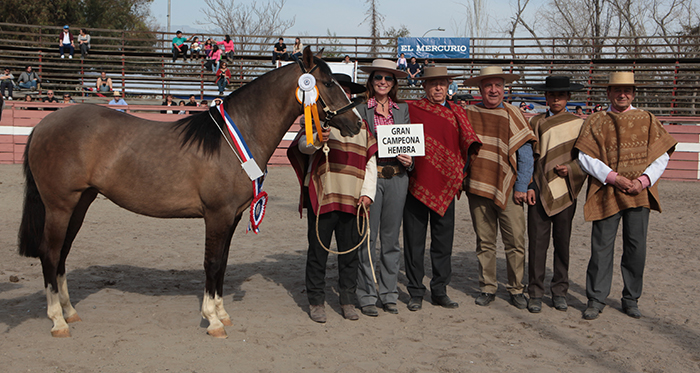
(258, 206)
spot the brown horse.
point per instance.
(177, 169)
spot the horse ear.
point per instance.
(319, 54)
(307, 58)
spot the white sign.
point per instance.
(396, 139)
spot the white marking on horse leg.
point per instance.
(216, 328)
(70, 314)
(221, 312)
(54, 311)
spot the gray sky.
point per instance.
(314, 17)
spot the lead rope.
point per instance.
(362, 229)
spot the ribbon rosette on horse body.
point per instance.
(307, 95)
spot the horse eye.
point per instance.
(328, 84)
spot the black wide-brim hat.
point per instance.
(346, 81)
(557, 83)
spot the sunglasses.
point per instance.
(388, 78)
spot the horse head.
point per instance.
(334, 107)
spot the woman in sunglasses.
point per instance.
(382, 108)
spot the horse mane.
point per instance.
(197, 130)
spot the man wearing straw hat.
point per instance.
(624, 150)
(497, 186)
(332, 188)
(556, 183)
(433, 184)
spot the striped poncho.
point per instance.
(556, 136)
(628, 143)
(348, 158)
(502, 130)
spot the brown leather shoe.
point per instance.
(349, 312)
(317, 312)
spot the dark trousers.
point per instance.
(540, 227)
(182, 51)
(6, 84)
(346, 235)
(279, 56)
(416, 216)
(635, 223)
(68, 46)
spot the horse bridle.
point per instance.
(329, 114)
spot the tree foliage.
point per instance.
(376, 23)
(130, 15)
(249, 25)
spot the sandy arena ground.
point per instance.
(137, 283)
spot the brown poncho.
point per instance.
(628, 143)
(556, 136)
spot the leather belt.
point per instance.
(388, 171)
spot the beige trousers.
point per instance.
(486, 218)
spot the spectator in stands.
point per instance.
(598, 108)
(204, 103)
(208, 48)
(414, 71)
(214, 59)
(50, 97)
(346, 59)
(65, 40)
(452, 90)
(118, 100)
(578, 110)
(195, 48)
(223, 77)
(228, 49)
(297, 49)
(29, 98)
(7, 81)
(192, 102)
(182, 111)
(525, 108)
(28, 79)
(104, 84)
(217, 101)
(179, 46)
(279, 51)
(67, 99)
(168, 102)
(84, 43)
(401, 63)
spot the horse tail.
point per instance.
(31, 230)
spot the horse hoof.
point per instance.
(74, 318)
(61, 333)
(217, 333)
(226, 322)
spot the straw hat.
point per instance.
(346, 81)
(434, 72)
(117, 93)
(388, 66)
(557, 83)
(625, 78)
(491, 72)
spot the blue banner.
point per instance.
(434, 47)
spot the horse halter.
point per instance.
(329, 114)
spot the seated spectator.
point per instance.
(65, 40)
(84, 43)
(7, 81)
(192, 102)
(28, 79)
(279, 52)
(214, 59)
(67, 99)
(597, 108)
(452, 90)
(578, 110)
(217, 101)
(228, 49)
(104, 84)
(401, 63)
(208, 47)
(223, 77)
(525, 108)
(179, 46)
(297, 49)
(118, 100)
(181, 112)
(195, 48)
(204, 103)
(168, 102)
(50, 97)
(346, 59)
(414, 71)
(29, 98)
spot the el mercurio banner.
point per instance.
(434, 47)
